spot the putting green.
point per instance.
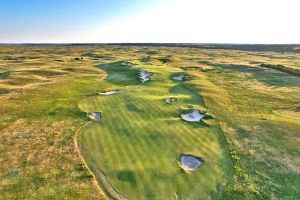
(139, 139)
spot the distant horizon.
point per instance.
(117, 43)
(279, 48)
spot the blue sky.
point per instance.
(206, 21)
(29, 20)
(68, 13)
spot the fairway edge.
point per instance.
(108, 188)
(77, 149)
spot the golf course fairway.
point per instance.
(137, 143)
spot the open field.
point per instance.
(250, 146)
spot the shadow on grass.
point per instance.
(127, 176)
(185, 89)
(5, 74)
(268, 76)
(119, 74)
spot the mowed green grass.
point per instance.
(139, 139)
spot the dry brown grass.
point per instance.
(40, 153)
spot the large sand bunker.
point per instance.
(109, 92)
(94, 116)
(145, 76)
(189, 162)
(179, 77)
(193, 116)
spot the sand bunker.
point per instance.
(94, 116)
(179, 77)
(127, 63)
(170, 100)
(190, 162)
(145, 76)
(194, 116)
(109, 92)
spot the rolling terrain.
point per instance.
(249, 145)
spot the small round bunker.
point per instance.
(179, 77)
(109, 92)
(96, 116)
(170, 100)
(193, 116)
(189, 162)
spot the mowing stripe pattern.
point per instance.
(139, 139)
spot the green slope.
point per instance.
(139, 139)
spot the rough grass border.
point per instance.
(77, 149)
